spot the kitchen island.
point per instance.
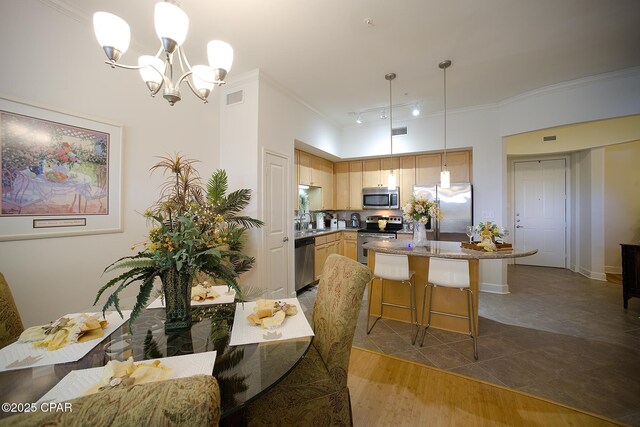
(444, 299)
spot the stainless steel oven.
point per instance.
(364, 237)
(380, 198)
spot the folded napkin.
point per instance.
(65, 330)
(122, 374)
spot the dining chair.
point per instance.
(315, 392)
(191, 401)
(97, 191)
(393, 267)
(450, 273)
(10, 322)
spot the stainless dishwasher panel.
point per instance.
(304, 261)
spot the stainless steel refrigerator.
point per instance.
(456, 205)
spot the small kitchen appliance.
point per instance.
(355, 220)
(320, 221)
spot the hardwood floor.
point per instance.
(388, 391)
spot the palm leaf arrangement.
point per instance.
(195, 229)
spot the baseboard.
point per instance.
(494, 288)
(592, 274)
(611, 269)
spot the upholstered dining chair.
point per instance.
(10, 322)
(192, 401)
(315, 392)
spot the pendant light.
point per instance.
(391, 181)
(445, 177)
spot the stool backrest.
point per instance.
(452, 273)
(392, 267)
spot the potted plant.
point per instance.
(194, 229)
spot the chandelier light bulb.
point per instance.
(220, 56)
(152, 69)
(172, 25)
(112, 32)
(203, 77)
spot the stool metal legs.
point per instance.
(412, 307)
(470, 315)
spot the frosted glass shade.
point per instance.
(149, 66)
(391, 181)
(220, 55)
(111, 31)
(171, 22)
(445, 179)
(203, 77)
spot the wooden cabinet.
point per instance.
(355, 185)
(304, 170)
(428, 167)
(371, 173)
(630, 272)
(325, 246)
(459, 165)
(406, 178)
(296, 166)
(350, 244)
(324, 171)
(341, 185)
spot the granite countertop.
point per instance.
(441, 249)
(324, 232)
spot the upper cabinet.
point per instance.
(338, 186)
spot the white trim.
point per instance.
(571, 84)
(494, 288)
(592, 275)
(612, 269)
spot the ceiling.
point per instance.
(325, 53)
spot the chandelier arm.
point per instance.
(183, 57)
(196, 92)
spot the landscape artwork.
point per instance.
(51, 168)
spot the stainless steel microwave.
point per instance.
(380, 198)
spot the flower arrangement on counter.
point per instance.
(489, 228)
(421, 209)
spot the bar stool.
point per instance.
(450, 273)
(393, 267)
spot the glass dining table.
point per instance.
(243, 372)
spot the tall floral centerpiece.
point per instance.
(195, 229)
(420, 210)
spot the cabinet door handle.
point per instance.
(519, 226)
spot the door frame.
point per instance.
(290, 291)
(511, 197)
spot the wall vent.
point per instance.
(235, 97)
(399, 131)
(548, 138)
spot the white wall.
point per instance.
(269, 119)
(54, 60)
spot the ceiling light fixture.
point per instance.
(416, 111)
(383, 115)
(445, 177)
(359, 119)
(172, 24)
(391, 181)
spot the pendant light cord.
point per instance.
(390, 128)
(445, 118)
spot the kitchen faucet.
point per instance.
(301, 225)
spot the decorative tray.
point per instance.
(475, 247)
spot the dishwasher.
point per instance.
(304, 261)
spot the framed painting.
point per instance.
(61, 173)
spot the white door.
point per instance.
(540, 211)
(277, 227)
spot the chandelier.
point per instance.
(171, 25)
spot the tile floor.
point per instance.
(557, 335)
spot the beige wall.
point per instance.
(622, 200)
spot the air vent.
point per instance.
(235, 97)
(548, 138)
(399, 131)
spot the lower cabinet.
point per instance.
(350, 244)
(325, 246)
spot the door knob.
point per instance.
(519, 226)
(285, 239)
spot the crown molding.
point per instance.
(572, 84)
